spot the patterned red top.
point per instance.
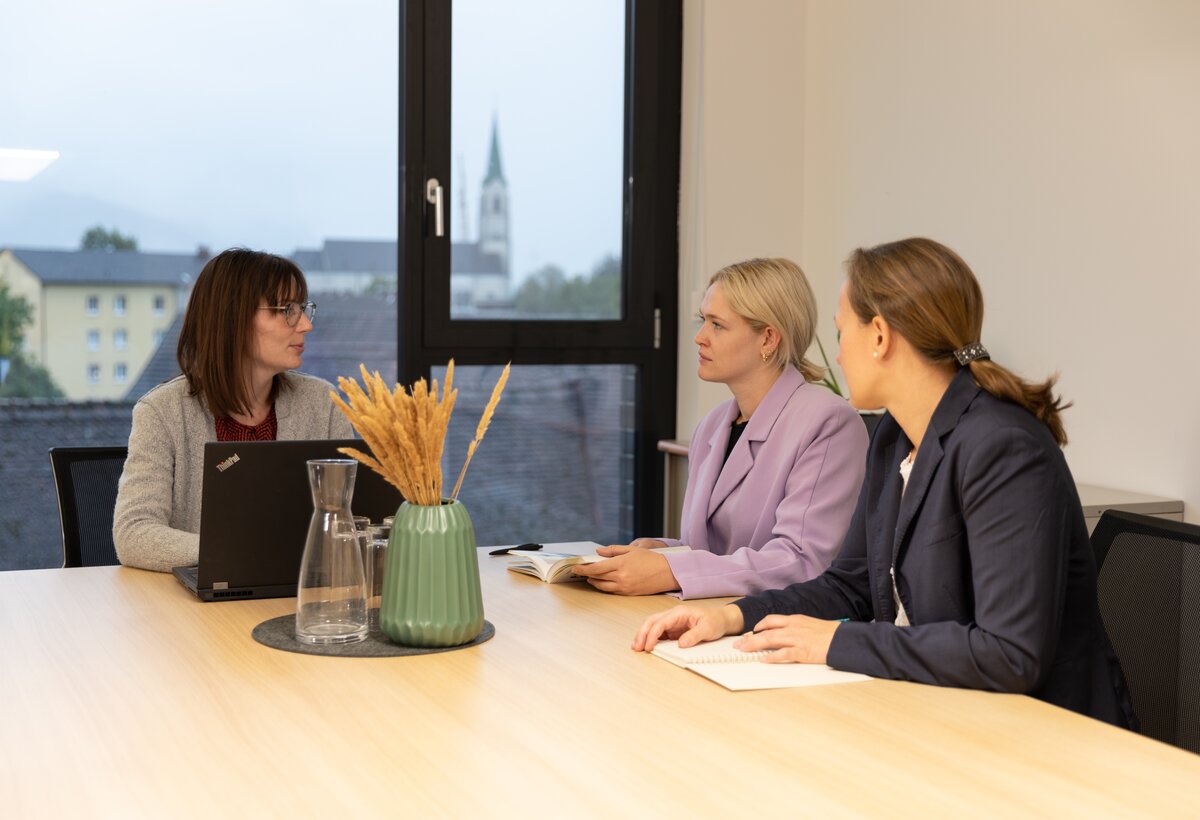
(230, 430)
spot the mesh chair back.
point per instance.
(86, 480)
(872, 421)
(1149, 591)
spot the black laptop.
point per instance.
(255, 510)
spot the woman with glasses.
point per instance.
(240, 346)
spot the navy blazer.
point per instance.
(992, 562)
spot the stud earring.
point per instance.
(767, 354)
(875, 354)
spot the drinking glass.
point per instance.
(374, 556)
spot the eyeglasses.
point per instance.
(292, 311)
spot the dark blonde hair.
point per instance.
(775, 292)
(217, 334)
(929, 296)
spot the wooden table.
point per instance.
(124, 696)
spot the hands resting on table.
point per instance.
(631, 569)
(795, 638)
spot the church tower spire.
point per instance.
(495, 170)
(493, 205)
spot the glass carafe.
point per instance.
(331, 605)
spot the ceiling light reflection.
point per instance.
(23, 164)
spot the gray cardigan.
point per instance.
(157, 520)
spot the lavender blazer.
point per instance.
(777, 511)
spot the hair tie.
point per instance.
(970, 353)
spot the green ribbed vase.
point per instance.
(431, 594)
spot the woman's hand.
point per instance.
(613, 550)
(795, 638)
(689, 624)
(630, 569)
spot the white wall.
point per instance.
(1053, 143)
(741, 173)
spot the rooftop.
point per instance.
(61, 267)
(353, 255)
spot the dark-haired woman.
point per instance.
(967, 561)
(241, 341)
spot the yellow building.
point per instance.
(98, 315)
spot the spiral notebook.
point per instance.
(739, 671)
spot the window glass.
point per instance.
(536, 206)
(556, 463)
(270, 125)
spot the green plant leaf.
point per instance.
(830, 379)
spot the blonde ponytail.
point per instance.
(775, 292)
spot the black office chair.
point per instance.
(871, 420)
(1149, 589)
(86, 481)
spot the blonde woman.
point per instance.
(773, 472)
(967, 562)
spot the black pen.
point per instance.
(505, 550)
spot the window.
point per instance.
(120, 338)
(93, 340)
(559, 460)
(538, 190)
(238, 194)
(560, 255)
(119, 373)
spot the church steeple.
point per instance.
(493, 206)
(494, 171)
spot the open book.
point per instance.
(737, 670)
(554, 564)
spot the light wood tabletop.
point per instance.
(124, 696)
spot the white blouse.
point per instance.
(906, 467)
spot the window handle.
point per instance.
(433, 195)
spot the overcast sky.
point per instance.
(272, 123)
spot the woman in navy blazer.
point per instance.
(967, 561)
(773, 472)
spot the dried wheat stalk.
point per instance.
(484, 421)
(406, 431)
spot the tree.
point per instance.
(99, 239)
(19, 376)
(15, 315)
(28, 380)
(549, 291)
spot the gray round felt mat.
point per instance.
(280, 633)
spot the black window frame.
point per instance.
(646, 334)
